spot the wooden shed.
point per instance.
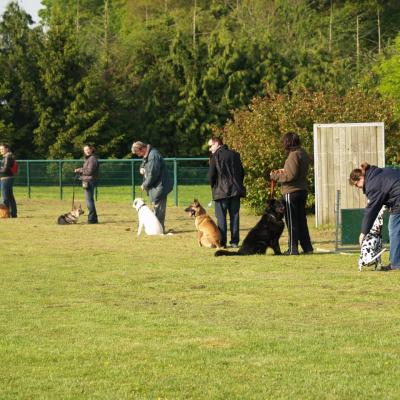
(338, 149)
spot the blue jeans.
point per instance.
(89, 197)
(394, 237)
(232, 206)
(7, 195)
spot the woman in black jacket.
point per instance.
(382, 187)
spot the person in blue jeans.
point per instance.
(382, 188)
(7, 179)
(88, 175)
(226, 176)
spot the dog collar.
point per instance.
(141, 207)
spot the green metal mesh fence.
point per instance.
(34, 174)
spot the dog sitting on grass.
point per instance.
(4, 211)
(208, 234)
(70, 218)
(147, 219)
(265, 234)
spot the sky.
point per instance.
(30, 6)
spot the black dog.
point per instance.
(265, 234)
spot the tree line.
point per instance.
(170, 72)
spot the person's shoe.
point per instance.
(234, 245)
(290, 253)
(309, 252)
(386, 268)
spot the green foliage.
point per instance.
(18, 78)
(165, 71)
(257, 132)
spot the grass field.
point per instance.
(93, 312)
(117, 194)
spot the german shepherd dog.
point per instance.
(208, 234)
(4, 211)
(70, 218)
(265, 234)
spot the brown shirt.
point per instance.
(294, 174)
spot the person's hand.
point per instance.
(361, 238)
(142, 187)
(77, 170)
(141, 170)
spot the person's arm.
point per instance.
(212, 171)
(90, 168)
(375, 202)
(153, 169)
(6, 164)
(291, 169)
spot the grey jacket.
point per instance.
(157, 181)
(90, 170)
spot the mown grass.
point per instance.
(92, 311)
(118, 194)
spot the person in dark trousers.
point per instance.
(293, 177)
(382, 188)
(156, 180)
(88, 175)
(7, 179)
(226, 176)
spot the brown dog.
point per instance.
(208, 234)
(4, 212)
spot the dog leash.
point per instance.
(272, 188)
(73, 190)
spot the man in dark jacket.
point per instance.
(226, 179)
(156, 180)
(7, 179)
(88, 175)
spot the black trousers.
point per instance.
(296, 222)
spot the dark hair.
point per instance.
(91, 147)
(6, 145)
(358, 173)
(291, 141)
(217, 139)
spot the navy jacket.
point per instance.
(382, 187)
(226, 174)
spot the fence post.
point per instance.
(133, 178)
(28, 178)
(175, 182)
(60, 179)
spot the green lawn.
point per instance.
(93, 312)
(118, 194)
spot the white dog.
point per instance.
(372, 247)
(147, 219)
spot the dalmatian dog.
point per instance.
(371, 247)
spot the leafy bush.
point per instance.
(257, 132)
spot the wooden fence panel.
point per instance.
(339, 148)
